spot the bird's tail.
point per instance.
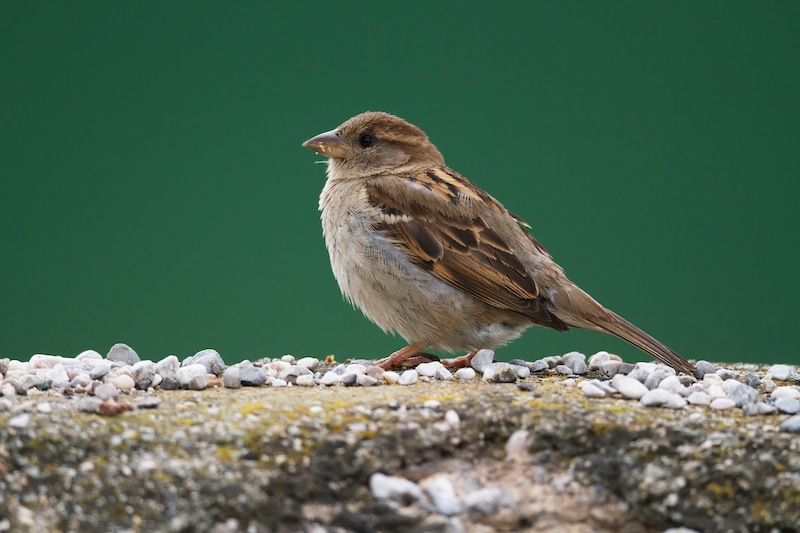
(583, 311)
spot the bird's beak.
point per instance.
(329, 144)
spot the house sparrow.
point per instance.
(426, 253)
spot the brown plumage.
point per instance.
(426, 253)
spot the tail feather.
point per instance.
(619, 327)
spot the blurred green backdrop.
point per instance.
(154, 190)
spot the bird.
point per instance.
(427, 254)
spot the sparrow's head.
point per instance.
(374, 143)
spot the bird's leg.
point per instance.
(459, 362)
(397, 358)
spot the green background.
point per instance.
(154, 190)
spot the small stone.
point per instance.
(365, 380)
(699, 398)
(89, 405)
(676, 401)
(428, 369)
(674, 385)
(767, 385)
(742, 394)
(124, 382)
(522, 371)
(330, 378)
(631, 388)
(396, 488)
(610, 368)
(639, 374)
(726, 374)
(625, 368)
(168, 383)
(186, 373)
(350, 379)
(577, 365)
(88, 354)
(100, 370)
(408, 377)
(564, 370)
(751, 380)
(144, 378)
(310, 363)
(538, 366)
(517, 444)
(591, 390)
(715, 391)
(785, 392)
(569, 356)
(168, 367)
(792, 425)
(655, 397)
(499, 373)
(442, 494)
(443, 374)
(123, 353)
(451, 418)
(376, 372)
(356, 368)
(44, 407)
(780, 372)
(289, 358)
(277, 382)
(148, 402)
(722, 404)
(198, 382)
(231, 378)
(598, 359)
(704, 367)
(252, 376)
(293, 372)
(790, 406)
(307, 380)
(81, 380)
(106, 391)
(486, 501)
(482, 359)
(764, 408)
(209, 358)
(526, 386)
(466, 373)
(518, 362)
(391, 377)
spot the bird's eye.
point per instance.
(366, 140)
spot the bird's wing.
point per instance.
(440, 219)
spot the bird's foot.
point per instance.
(402, 355)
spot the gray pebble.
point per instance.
(742, 394)
(655, 377)
(704, 367)
(538, 366)
(577, 365)
(790, 406)
(482, 359)
(81, 380)
(168, 383)
(751, 380)
(365, 380)
(198, 382)
(780, 372)
(564, 369)
(89, 404)
(123, 353)
(148, 402)
(485, 501)
(726, 374)
(252, 376)
(639, 374)
(518, 362)
(765, 408)
(230, 378)
(522, 371)
(792, 425)
(209, 358)
(144, 378)
(655, 397)
(106, 391)
(168, 367)
(500, 373)
(408, 377)
(100, 370)
(625, 368)
(350, 379)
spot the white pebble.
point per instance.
(44, 407)
(428, 369)
(715, 391)
(442, 494)
(655, 397)
(631, 388)
(310, 363)
(522, 371)
(517, 444)
(673, 384)
(391, 377)
(610, 368)
(785, 392)
(465, 373)
(19, 421)
(699, 398)
(598, 359)
(306, 380)
(408, 377)
(452, 418)
(277, 382)
(392, 487)
(768, 385)
(676, 401)
(592, 391)
(330, 378)
(779, 372)
(722, 404)
(124, 382)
